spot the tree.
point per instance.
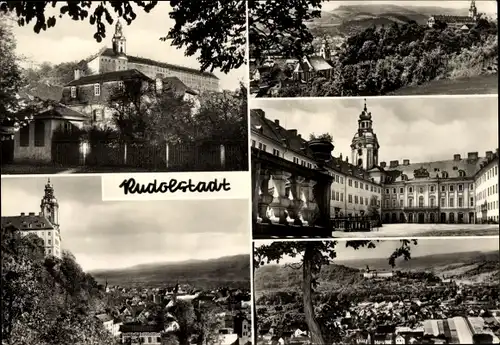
(11, 79)
(186, 318)
(325, 136)
(280, 27)
(207, 325)
(214, 29)
(314, 255)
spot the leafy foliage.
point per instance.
(213, 29)
(47, 300)
(325, 136)
(280, 27)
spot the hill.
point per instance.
(231, 271)
(469, 266)
(350, 19)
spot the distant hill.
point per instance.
(349, 19)
(230, 271)
(468, 266)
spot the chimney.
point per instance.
(299, 135)
(383, 164)
(456, 157)
(23, 214)
(406, 162)
(292, 132)
(393, 164)
(277, 122)
(472, 156)
(347, 159)
(77, 74)
(31, 214)
(489, 155)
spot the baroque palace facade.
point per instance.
(116, 59)
(45, 224)
(458, 190)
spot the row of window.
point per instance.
(493, 205)
(362, 185)
(491, 190)
(432, 189)
(141, 340)
(432, 202)
(492, 172)
(361, 201)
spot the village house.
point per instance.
(141, 334)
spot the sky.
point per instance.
(106, 235)
(419, 129)
(483, 6)
(424, 247)
(72, 40)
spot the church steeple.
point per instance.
(473, 9)
(364, 146)
(49, 205)
(119, 40)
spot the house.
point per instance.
(142, 334)
(310, 67)
(400, 339)
(107, 321)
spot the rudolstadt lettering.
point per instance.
(130, 186)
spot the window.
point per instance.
(401, 203)
(295, 160)
(350, 183)
(366, 201)
(387, 191)
(337, 196)
(421, 190)
(355, 184)
(471, 186)
(96, 115)
(432, 202)
(361, 201)
(73, 92)
(410, 189)
(276, 152)
(350, 198)
(121, 85)
(443, 202)
(460, 187)
(371, 188)
(337, 178)
(341, 180)
(393, 203)
(39, 133)
(471, 202)
(461, 173)
(420, 201)
(355, 199)
(366, 186)
(253, 143)
(50, 251)
(50, 242)
(97, 90)
(452, 202)
(24, 136)
(451, 188)
(431, 188)
(460, 202)
(150, 340)
(444, 174)
(410, 202)
(341, 196)
(401, 190)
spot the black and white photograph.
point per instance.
(430, 291)
(145, 86)
(377, 167)
(77, 270)
(318, 48)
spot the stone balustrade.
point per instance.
(289, 200)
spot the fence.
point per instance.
(204, 156)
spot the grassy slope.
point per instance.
(233, 271)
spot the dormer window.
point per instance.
(97, 89)
(444, 174)
(73, 92)
(461, 173)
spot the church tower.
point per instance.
(473, 10)
(325, 51)
(49, 205)
(119, 40)
(364, 146)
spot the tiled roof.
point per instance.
(136, 59)
(43, 91)
(177, 85)
(451, 167)
(109, 76)
(318, 63)
(60, 111)
(29, 222)
(136, 328)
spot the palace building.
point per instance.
(116, 59)
(45, 224)
(455, 190)
(458, 22)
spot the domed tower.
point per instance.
(119, 40)
(49, 205)
(364, 146)
(473, 10)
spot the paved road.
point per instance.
(409, 230)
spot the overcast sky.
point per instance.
(483, 6)
(122, 234)
(73, 40)
(420, 129)
(424, 247)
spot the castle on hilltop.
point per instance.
(45, 224)
(458, 22)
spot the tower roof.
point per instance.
(365, 115)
